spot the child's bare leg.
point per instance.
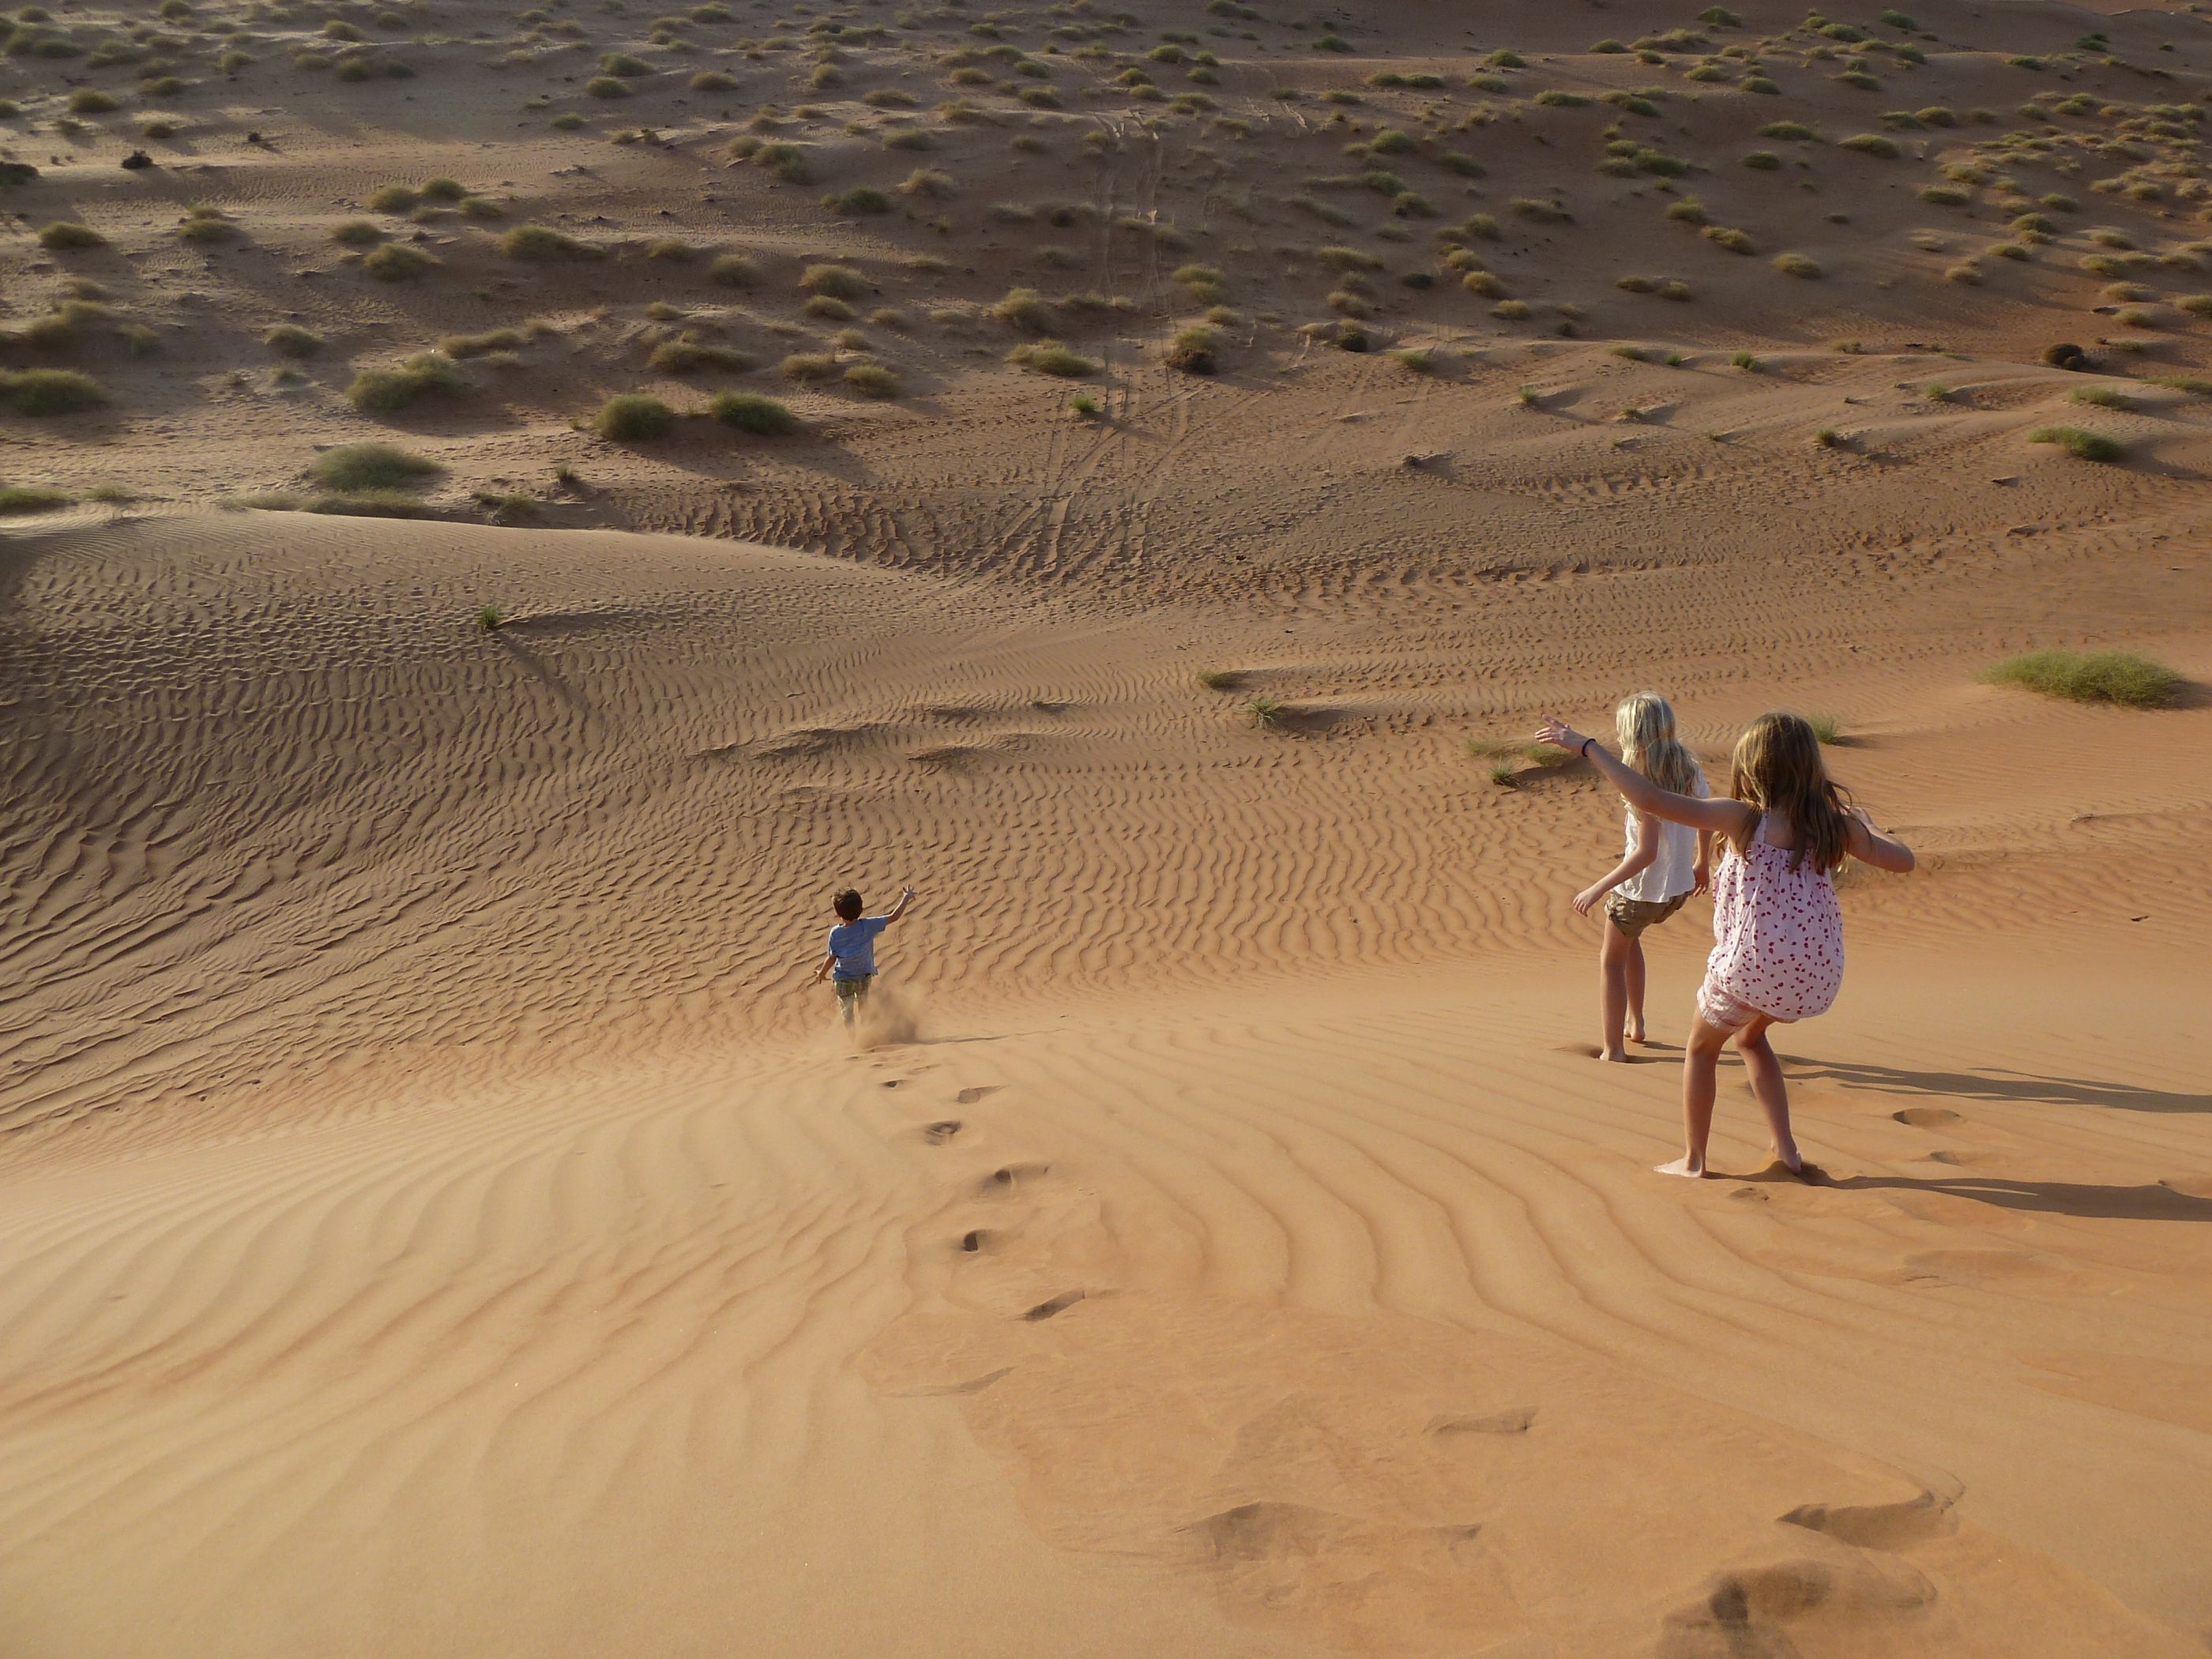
(1636, 990)
(1771, 1088)
(1700, 1059)
(1613, 948)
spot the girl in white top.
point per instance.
(1660, 866)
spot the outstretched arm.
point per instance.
(899, 909)
(1730, 818)
(822, 968)
(1868, 844)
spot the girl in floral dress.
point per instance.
(1777, 934)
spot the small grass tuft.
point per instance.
(633, 417)
(748, 411)
(2082, 444)
(354, 467)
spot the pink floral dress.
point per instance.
(1778, 939)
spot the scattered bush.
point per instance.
(734, 271)
(42, 392)
(388, 391)
(25, 498)
(1050, 357)
(2083, 445)
(1023, 309)
(1873, 143)
(1192, 351)
(836, 281)
(633, 417)
(1798, 264)
(861, 199)
(66, 235)
(808, 366)
(691, 356)
(871, 380)
(291, 340)
(395, 262)
(2124, 677)
(541, 245)
(748, 411)
(352, 467)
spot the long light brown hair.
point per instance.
(1778, 769)
(1646, 726)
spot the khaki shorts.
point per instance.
(854, 990)
(1633, 916)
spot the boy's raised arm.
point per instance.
(899, 909)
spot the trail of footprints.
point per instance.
(1740, 1609)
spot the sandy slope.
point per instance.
(436, 1226)
(437, 1218)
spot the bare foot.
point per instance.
(1618, 1055)
(1791, 1159)
(1635, 1032)
(1683, 1165)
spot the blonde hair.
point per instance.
(1778, 768)
(1646, 726)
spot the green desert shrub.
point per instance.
(1797, 265)
(66, 235)
(2078, 442)
(291, 340)
(836, 281)
(2125, 678)
(352, 467)
(1192, 350)
(734, 271)
(357, 232)
(871, 380)
(42, 392)
(1050, 357)
(389, 391)
(459, 346)
(395, 262)
(694, 356)
(1873, 143)
(633, 417)
(805, 365)
(28, 498)
(860, 199)
(1022, 308)
(543, 244)
(748, 411)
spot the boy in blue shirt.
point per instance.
(853, 949)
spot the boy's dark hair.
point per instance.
(848, 904)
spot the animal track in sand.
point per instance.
(1007, 1176)
(1929, 1117)
(1517, 1419)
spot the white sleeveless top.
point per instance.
(1668, 873)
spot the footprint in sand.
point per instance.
(941, 1131)
(1927, 1117)
(970, 1097)
(1881, 1526)
(1052, 1305)
(1008, 1177)
(1515, 1420)
(973, 1241)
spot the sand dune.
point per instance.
(439, 1218)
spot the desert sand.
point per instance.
(438, 1219)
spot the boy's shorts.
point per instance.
(854, 990)
(1633, 916)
